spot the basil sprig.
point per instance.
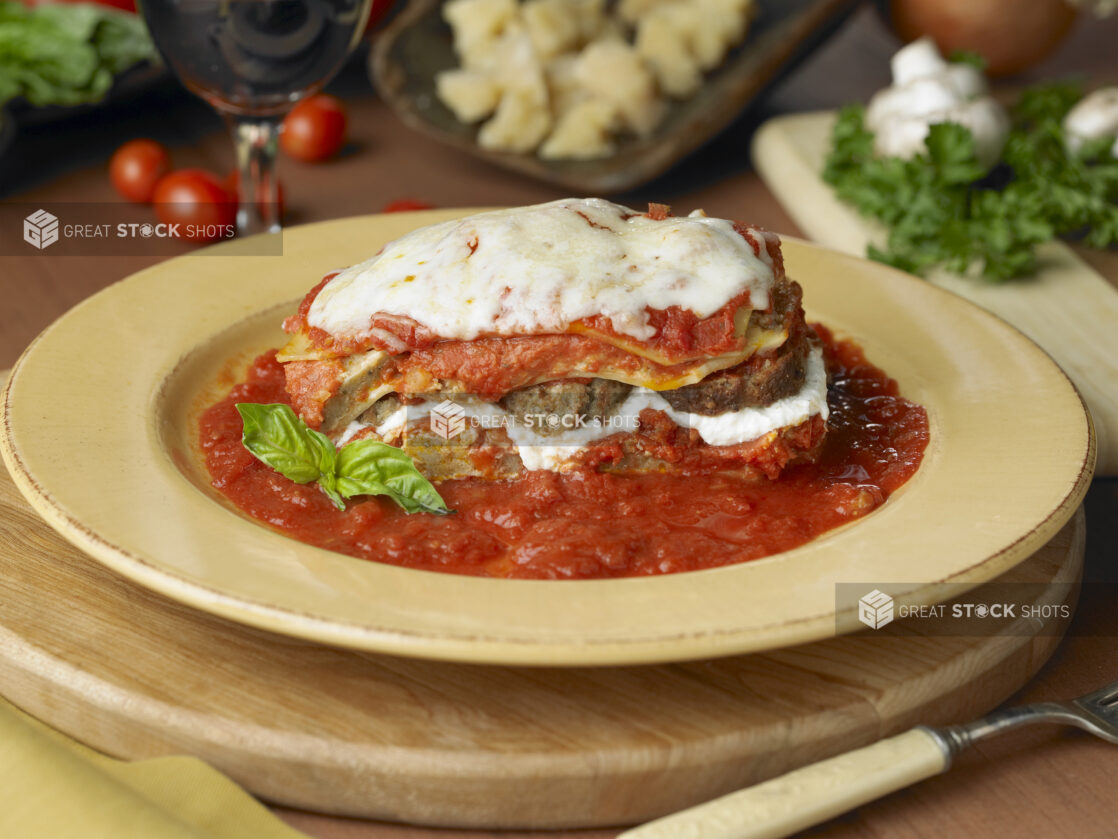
(279, 439)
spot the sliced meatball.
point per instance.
(755, 383)
(761, 379)
(785, 307)
(588, 398)
(377, 413)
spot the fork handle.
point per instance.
(807, 796)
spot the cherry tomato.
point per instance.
(136, 167)
(406, 205)
(232, 184)
(315, 129)
(198, 203)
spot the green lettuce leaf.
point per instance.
(66, 54)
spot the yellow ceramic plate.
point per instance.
(99, 433)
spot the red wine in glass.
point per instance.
(252, 60)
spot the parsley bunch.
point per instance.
(944, 208)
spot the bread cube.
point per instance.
(631, 11)
(613, 71)
(584, 132)
(470, 95)
(522, 120)
(663, 38)
(477, 23)
(553, 26)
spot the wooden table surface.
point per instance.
(1044, 783)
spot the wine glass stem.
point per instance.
(255, 140)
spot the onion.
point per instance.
(1010, 34)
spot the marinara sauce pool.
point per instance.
(583, 524)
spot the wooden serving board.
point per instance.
(1067, 308)
(137, 675)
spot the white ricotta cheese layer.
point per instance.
(554, 451)
(534, 270)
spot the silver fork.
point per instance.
(815, 793)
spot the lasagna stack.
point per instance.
(577, 334)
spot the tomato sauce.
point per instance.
(585, 524)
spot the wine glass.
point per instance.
(252, 60)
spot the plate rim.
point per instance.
(498, 648)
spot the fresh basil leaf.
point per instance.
(327, 457)
(281, 440)
(324, 453)
(370, 467)
(329, 485)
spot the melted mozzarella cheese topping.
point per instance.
(555, 450)
(535, 270)
(927, 90)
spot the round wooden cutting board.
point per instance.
(137, 675)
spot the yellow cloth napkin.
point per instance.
(52, 787)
